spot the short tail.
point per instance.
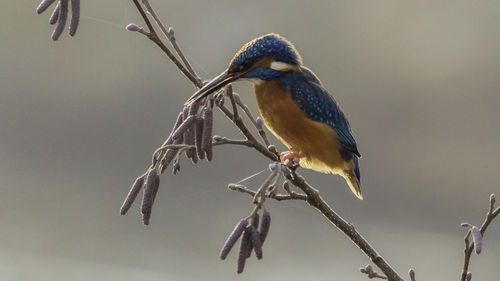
(353, 178)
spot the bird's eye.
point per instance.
(237, 68)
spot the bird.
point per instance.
(295, 107)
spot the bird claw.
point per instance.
(290, 159)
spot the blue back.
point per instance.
(316, 102)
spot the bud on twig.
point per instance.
(411, 273)
(368, 268)
(492, 203)
(272, 148)
(277, 167)
(477, 237)
(233, 237)
(132, 27)
(258, 123)
(468, 277)
(170, 31)
(237, 98)
(237, 187)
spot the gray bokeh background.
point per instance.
(79, 119)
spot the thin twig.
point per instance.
(249, 114)
(171, 146)
(315, 200)
(253, 142)
(277, 197)
(153, 36)
(469, 246)
(171, 37)
(223, 140)
(370, 273)
(229, 92)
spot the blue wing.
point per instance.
(316, 102)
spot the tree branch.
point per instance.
(277, 197)
(469, 246)
(153, 36)
(169, 34)
(315, 200)
(252, 141)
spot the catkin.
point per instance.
(132, 194)
(264, 226)
(151, 184)
(256, 242)
(207, 132)
(233, 237)
(178, 133)
(55, 15)
(75, 17)
(44, 5)
(199, 137)
(61, 21)
(244, 248)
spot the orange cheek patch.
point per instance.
(264, 62)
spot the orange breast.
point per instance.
(316, 140)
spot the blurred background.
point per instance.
(79, 119)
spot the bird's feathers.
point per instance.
(316, 102)
(270, 45)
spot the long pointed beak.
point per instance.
(217, 83)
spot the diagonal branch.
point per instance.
(469, 246)
(314, 199)
(153, 36)
(171, 37)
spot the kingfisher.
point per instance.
(295, 107)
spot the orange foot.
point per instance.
(290, 159)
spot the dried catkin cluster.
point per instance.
(192, 135)
(60, 15)
(252, 238)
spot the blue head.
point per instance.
(264, 58)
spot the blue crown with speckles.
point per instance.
(270, 45)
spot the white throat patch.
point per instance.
(255, 81)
